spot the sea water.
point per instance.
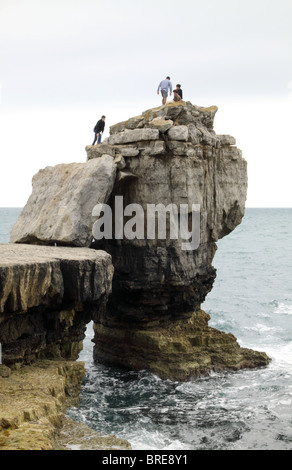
(249, 409)
(8, 215)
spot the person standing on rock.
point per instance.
(98, 130)
(164, 86)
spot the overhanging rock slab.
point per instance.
(59, 209)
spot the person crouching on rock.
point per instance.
(98, 130)
(176, 96)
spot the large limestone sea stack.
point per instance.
(153, 318)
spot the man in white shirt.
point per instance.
(164, 86)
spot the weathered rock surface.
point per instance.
(174, 349)
(178, 133)
(161, 124)
(47, 297)
(78, 436)
(135, 135)
(33, 401)
(157, 285)
(60, 206)
(4, 371)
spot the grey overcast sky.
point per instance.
(63, 63)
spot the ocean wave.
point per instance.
(260, 327)
(154, 440)
(283, 309)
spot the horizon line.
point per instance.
(247, 207)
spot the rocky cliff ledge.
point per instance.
(153, 319)
(47, 296)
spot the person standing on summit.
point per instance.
(98, 130)
(164, 86)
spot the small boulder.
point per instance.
(161, 124)
(178, 133)
(137, 135)
(4, 371)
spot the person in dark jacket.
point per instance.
(98, 130)
(179, 90)
(176, 96)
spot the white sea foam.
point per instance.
(260, 327)
(283, 309)
(282, 354)
(155, 440)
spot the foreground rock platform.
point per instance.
(78, 436)
(33, 401)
